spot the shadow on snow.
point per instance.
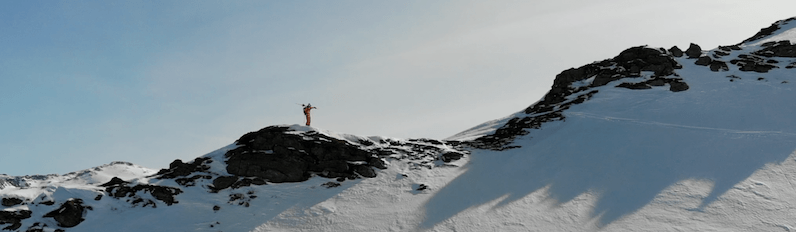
(627, 165)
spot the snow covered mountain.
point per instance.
(651, 140)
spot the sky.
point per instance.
(85, 83)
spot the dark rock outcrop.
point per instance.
(703, 61)
(70, 214)
(11, 201)
(223, 182)
(717, 65)
(122, 189)
(778, 49)
(629, 63)
(274, 155)
(767, 31)
(114, 182)
(178, 169)
(451, 156)
(693, 51)
(753, 63)
(676, 52)
(14, 218)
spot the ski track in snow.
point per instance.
(636, 121)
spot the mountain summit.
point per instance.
(652, 139)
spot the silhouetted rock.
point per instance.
(676, 52)
(694, 51)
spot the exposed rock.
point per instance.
(641, 85)
(191, 180)
(676, 52)
(223, 182)
(451, 156)
(177, 168)
(274, 155)
(365, 171)
(163, 193)
(718, 66)
(694, 51)
(779, 49)
(377, 163)
(628, 63)
(753, 63)
(420, 187)
(330, 184)
(114, 182)
(730, 48)
(719, 54)
(703, 61)
(14, 218)
(678, 86)
(70, 214)
(8, 202)
(765, 32)
(656, 82)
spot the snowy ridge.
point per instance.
(653, 139)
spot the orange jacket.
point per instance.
(307, 109)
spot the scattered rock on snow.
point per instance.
(14, 218)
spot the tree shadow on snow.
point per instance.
(626, 165)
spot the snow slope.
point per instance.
(719, 156)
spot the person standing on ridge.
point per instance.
(307, 109)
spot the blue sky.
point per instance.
(84, 83)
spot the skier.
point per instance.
(307, 109)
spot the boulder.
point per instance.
(703, 61)
(223, 182)
(70, 214)
(693, 51)
(12, 201)
(451, 156)
(718, 66)
(676, 52)
(678, 86)
(365, 171)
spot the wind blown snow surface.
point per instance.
(720, 156)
